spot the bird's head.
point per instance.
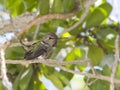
(50, 39)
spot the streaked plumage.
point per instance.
(43, 48)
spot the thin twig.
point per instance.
(36, 31)
(0, 76)
(92, 68)
(90, 83)
(87, 4)
(26, 43)
(114, 66)
(5, 79)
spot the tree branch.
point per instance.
(47, 61)
(114, 66)
(5, 79)
(60, 64)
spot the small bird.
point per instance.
(42, 49)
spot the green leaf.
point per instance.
(30, 4)
(35, 84)
(107, 60)
(1, 86)
(98, 15)
(1, 2)
(95, 54)
(25, 78)
(106, 34)
(20, 6)
(13, 6)
(118, 71)
(57, 6)
(14, 70)
(107, 37)
(14, 53)
(30, 86)
(78, 83)
(66, 74)
(19, 10)
(63, 79)
(100, 85)
(44, 7)
(38, 85)
(22, 80)
(55, 80)
(47, 69)
(68, 5)
(76, 53)
(106, 71)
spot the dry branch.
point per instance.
(5, 79)
(60, 64)
(114, 66)
(47, 61)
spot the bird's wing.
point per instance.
(41, 50)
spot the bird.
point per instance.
(42, 49)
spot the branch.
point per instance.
(47, 61)
(59, 64)
(92, 67)
(114, 66)
(98, 76)
(5, 80)
(0, 77)
(36, 32)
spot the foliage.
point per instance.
(96, 34)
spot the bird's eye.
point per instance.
(50, 38)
